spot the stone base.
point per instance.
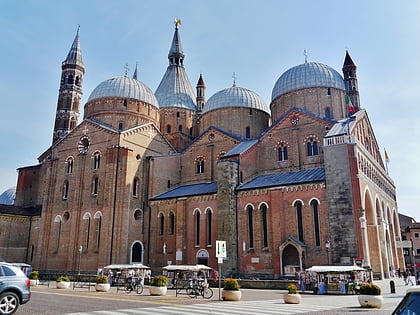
(63, 285)
(229, 295)
(157, 290)
(370, 301)
(291, 298)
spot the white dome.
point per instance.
(307, 75)
(124, 87)
(235, 97)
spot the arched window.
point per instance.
(312, 147)
(168, 128)
(180, 128)
(209, 216)
(161, 223)
(197, 227)
(135, 187)
(248, 132)
(97, 219)
(69, 165)
(57, 232)
(86, 229)
(70, 79)
(171, 223)
(120, 126)
(314, 204)
(65, 190)
(299, 219)
(328, 113)
(264, 225)
(95, 186)
(250, 211)
(200, 165)
(282, 152)
(96, 160)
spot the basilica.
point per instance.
(160, 177)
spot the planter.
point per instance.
(230, 295)
(102, 287)
(292, 298)
(34, 282)
(371, 301)
(157, 290)
(63, 285)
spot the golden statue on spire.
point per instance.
(177, 22)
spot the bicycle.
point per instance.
(133, 284)
(202, 289)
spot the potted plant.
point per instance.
(370, 296)
(231, 290)
(159, 285)
(34, 278)
(63, 282)
(102, 284)
(292, 296)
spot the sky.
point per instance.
(256, 40)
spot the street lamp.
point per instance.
(327, 246)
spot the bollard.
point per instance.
(392, 286)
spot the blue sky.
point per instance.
(258, 40)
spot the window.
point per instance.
(177, 114)
(97, 219)
(86, 229)
(312, 147)
(180, 128)
(171, 223)
(135, 187)
(168, 128)
(137, 215)
(66, 190)
(328, 113)
(200, 165)
(57, 231)
(314, 204)
(282, 152)
(250, 210)
(416, 235)
(96, 160)
(161, 224)
(418, 251)
(197, 227)
(69, 165)
(329, 91)
(264, 224)
(209, 216)
(299, 219)
(120, 126)
(95, 186)
(248, 132)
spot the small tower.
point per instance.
(70, 93)
(201, 93)
(350, 79)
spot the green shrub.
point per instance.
(62, 279)
(160, 281)
(101, 279)
(231, 284)
(369, 289)
(34, 275)
(292, 289)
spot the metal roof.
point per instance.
(235, 97)
(288, 178)
(124, 87)
(241, 148)
(307, 75)
(189, 190)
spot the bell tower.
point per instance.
(350, 80)
(70, 93)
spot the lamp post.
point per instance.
(327, 246)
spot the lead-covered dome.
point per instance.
(307, 75)
(124, 87)
(235, 97)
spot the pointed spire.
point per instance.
(200, 82)
(234, 79)
(176, 54)
(135, 73)
(75, 54)
(348, 61)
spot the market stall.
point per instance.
(334, 279)
(182, 276)
(119, 273)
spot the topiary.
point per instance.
(369, 289)
(231, 284)
(34, 275)
(292, 289)
(159, 281)
(62, 279)
(101, 279)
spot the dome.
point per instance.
(307, 75)
(124, 87)
(235, 97)
(8, 197)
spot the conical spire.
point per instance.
(348, 61)
(135, 73)
(75, 54)
(176, 54)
